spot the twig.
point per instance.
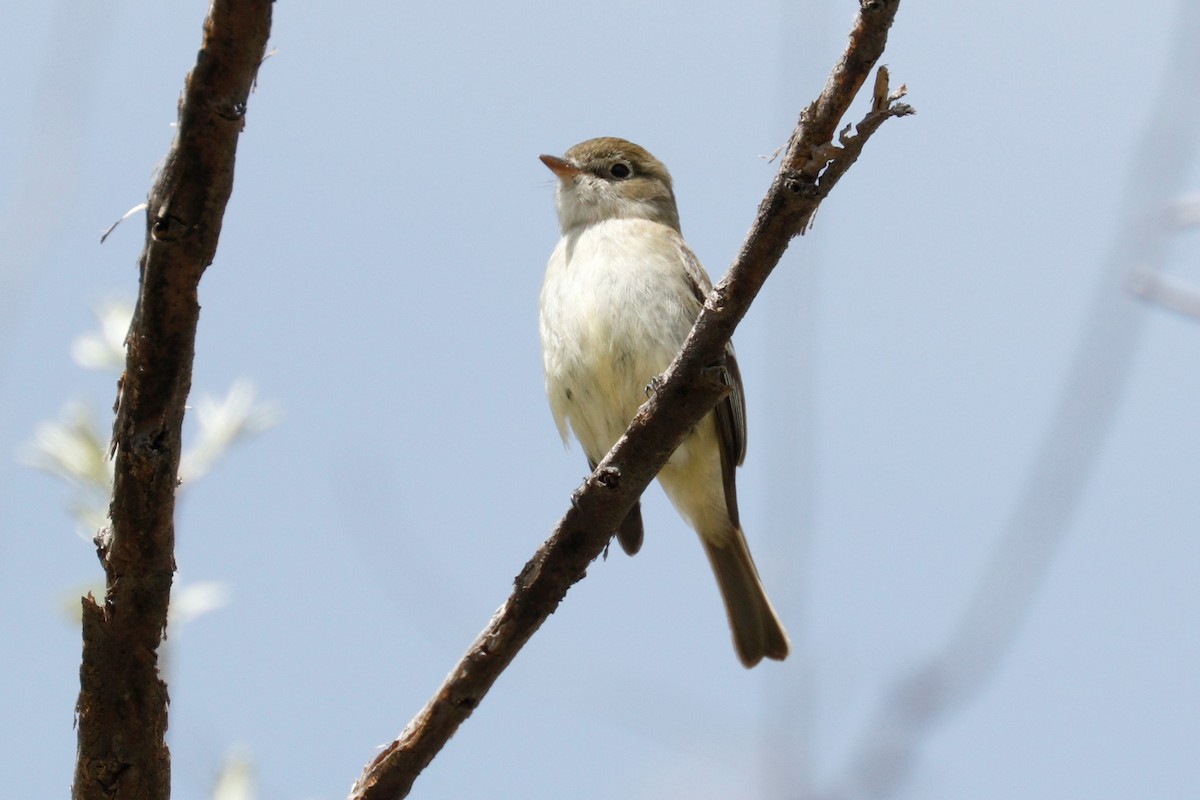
(688, 391)
(122, 707)
(1154, 284)
(1163, 290)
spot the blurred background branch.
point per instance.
(926, 696)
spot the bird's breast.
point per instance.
(616, 306)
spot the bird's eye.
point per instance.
(620, 170)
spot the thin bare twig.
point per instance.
(689, 390)
(122, 707)
(1166, 291)
(1153, 283)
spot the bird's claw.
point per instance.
(717, 373)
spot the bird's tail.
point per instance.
(757, 631)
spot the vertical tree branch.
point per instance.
(689, 390)
(122, 707)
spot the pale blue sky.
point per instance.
(377, 278)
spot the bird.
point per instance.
(621, 293)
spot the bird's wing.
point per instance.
(731, 411)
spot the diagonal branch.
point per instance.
(122, 707)
(689, 390)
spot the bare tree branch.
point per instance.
(122, 707)
(689, 390)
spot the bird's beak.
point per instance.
(560, 167)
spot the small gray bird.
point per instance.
(621, 293)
